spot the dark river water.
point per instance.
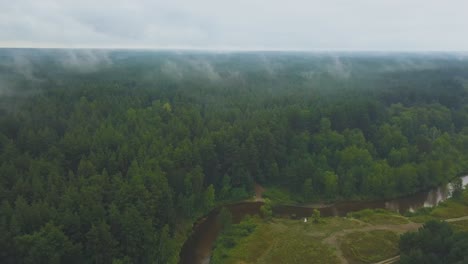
(197, 249)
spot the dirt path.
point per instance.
(389, 261)
(457, 219)
(333, 239)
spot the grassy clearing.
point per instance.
(298, 249)
(369, 247)
(379, 217)
(289, 241)
(324, 228)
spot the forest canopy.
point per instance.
(108, 156)
(435, 242)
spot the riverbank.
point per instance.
(369, 236)
(281, 196)
(198, 246)
(329, 241)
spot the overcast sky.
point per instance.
(396, 25)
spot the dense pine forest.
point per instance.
(110, 156)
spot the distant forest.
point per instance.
(110, 156)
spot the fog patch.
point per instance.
(22, 65)
(272, 68)
(408, 64)
(205, 69)
(235, 75)
(172, 70)
(84, 61)
(267, 66)
(337, 68)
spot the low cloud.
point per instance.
(85, 60)
(338, 68)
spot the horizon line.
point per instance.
(230, 49)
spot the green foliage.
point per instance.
(130, 154)
(100, 246)
(278, 195)
(48, 245)
(330, 184)
(457, 191)
(435, 242)
(226, 188)
(266, 209)
(239, 194)
(316, 216)
(308, 192)
(225, 218)
(230, 237)
(209, 198)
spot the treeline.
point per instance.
(114, 165)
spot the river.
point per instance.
(197, 249)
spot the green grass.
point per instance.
(421, 215)
(460, 225)
(324, 228)
(297, 249)
(279, 196)
(421, 218)
(450, 209)
(289, 241)
(379, 217)
(369, 247)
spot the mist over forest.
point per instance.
(109, 156)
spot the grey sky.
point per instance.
(239, 25)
